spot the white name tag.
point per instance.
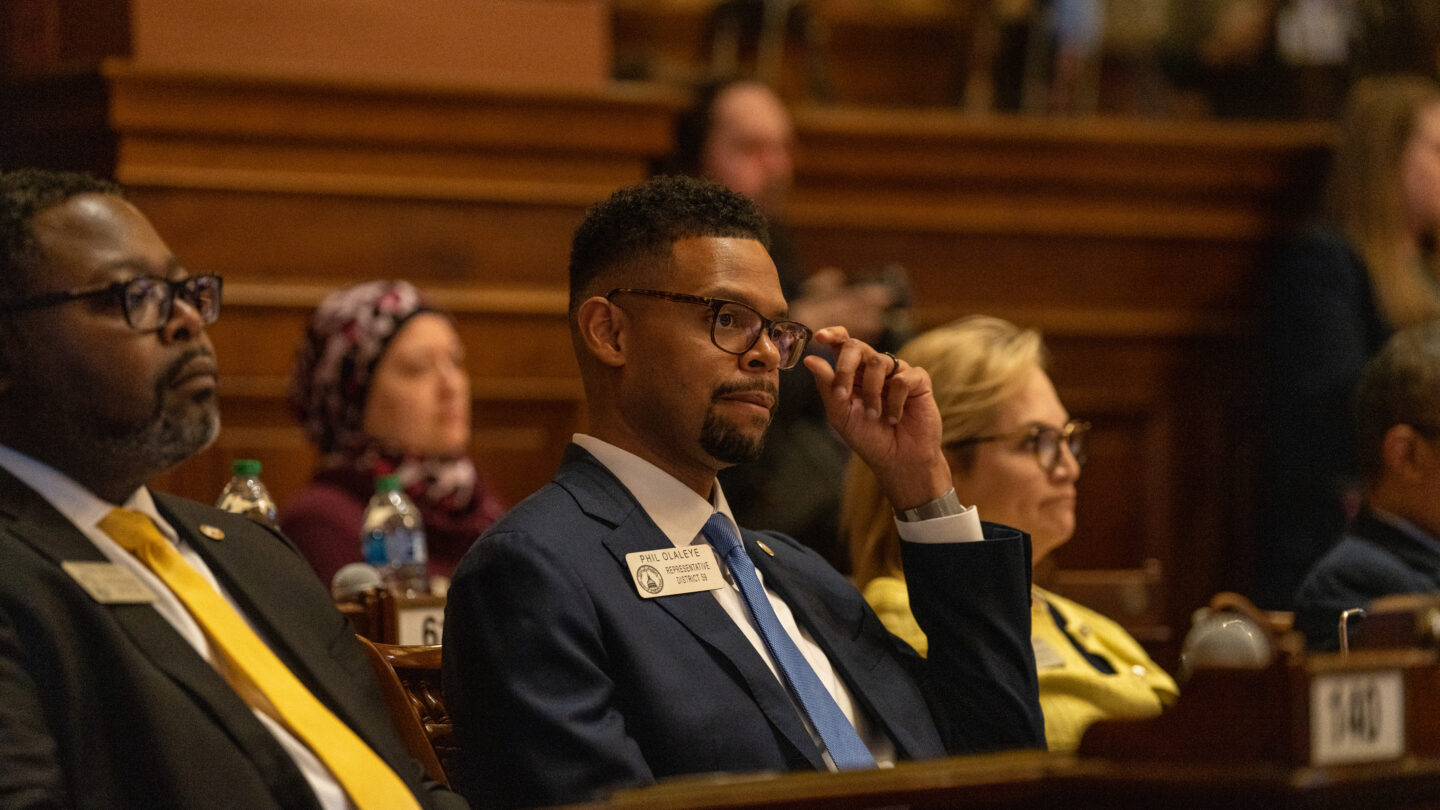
(1046, 657)
(671, 571)
(108, 583)
(1357, 717)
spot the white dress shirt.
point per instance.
(680, 514)
(85, 511)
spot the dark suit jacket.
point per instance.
(107, 706)
(564, 684)
(1374, 559)
(1321, 326)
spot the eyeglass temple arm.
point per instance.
(44, 300)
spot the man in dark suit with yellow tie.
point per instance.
(154, 652)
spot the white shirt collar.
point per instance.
(77, 504)
(677, 510)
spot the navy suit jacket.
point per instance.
(1321, 326)
(107, 706)
(564, 684)
(1372, 560)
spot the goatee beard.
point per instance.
(162, 442)
(169, 435)
(725, 441)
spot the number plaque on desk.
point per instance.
(419, 619)
(1357, 717)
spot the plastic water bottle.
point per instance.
(245, 495)
(392, 538)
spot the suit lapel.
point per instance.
(242, 568)
(605, 499)
(37, 524)
(855, 663)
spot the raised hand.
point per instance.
(884, 410)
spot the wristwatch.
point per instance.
(943, 506)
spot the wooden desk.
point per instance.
(1236, 739)
(1042, 780)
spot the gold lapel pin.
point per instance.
(764, 548)
(211, 532)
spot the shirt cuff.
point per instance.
(959, 528)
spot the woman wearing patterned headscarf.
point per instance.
(380, 387)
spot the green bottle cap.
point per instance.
(387, 483)
(245, 467)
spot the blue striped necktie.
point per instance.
(846, 749)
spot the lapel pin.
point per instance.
(764, 548)
(211, 532)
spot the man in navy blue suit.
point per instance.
(595, 640)
(1393, 545)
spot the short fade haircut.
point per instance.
(1400, 386)
(24, 193)
(633, 231)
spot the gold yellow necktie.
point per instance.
(253, 669)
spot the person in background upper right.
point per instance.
(1337, 291)
(1393, 545)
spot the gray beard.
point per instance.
(168, 436)
(160, 443)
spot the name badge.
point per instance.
(108, 583)
(671, 571)
(1046, 657)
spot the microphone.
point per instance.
(354, 579)
(1225, 637)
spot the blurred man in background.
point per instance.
(740, 135)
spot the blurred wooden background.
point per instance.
(463, 161)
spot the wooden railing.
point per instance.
(1137, 247)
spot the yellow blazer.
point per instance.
(1073, 691)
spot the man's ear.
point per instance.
(1401, 449)
(602, 328)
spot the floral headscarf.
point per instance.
(346, 338)
(344, 342)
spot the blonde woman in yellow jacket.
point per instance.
(1015, 454)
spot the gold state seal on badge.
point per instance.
(648, 577)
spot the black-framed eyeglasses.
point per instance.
(736, 327)
(148, 301)
(1044, 441)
